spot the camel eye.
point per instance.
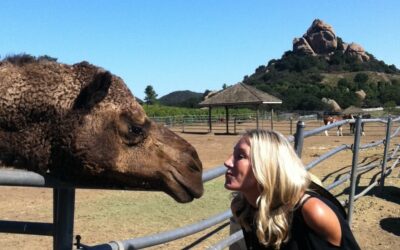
(135, 130)
(132, 134)
(130, 131)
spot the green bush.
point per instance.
(164, 111)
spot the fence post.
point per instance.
(385, 152)
(353, 176)
(63, 216)
(233, 228)
(183, 124)
(209, 120)
(291, 125)
(234, 125)
(299, 138)
(227, 119)
(272, 119)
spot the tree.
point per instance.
(47, 58)
(389, 106)
(344, 84)
(151, 95)
(361, 78)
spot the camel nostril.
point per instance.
(196, 165)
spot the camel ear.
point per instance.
(94, 92)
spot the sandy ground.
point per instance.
(376, 220)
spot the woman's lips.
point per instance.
(228, 175)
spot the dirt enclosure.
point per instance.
(105, 215)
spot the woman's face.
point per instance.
(239, 176)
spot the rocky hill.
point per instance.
(321, 66)
(184, 98)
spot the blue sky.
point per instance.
(188, 44)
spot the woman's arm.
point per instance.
(320, 217)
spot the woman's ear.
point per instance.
(94, 92)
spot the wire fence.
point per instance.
(238, 123)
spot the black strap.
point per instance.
(303, 201)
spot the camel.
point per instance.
(82, 125)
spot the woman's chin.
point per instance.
(229, 186)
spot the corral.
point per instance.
(103, 216)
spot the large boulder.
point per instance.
(332, 104)
(358, 51)
(319, 39)
(361, 95)
(301, 46)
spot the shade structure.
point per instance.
(237, 95)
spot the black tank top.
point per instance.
(302, 237)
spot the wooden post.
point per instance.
(209, 120)
(234, 125)
(257, 114)
(227, 119)
(272, 119)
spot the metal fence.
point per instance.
(238, 123)
(64, 196)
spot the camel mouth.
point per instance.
(180, 189)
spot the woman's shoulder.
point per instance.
(314, 209)
(322, 219)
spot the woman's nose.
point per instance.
(229, 162)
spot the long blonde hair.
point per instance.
(282, 180)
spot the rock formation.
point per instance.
(356, 50)
(361, 94)
(321, 40)
(332, 104)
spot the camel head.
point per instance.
(92, 132)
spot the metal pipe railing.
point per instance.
(22, 227)
(327, 155)
(213, 173)
(238, 235)
(167, 236)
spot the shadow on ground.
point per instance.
(388, 193)
(391, 225)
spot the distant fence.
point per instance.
(64, 197)
(283, 122)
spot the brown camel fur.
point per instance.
(82, 125)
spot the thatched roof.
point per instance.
(352, 110)
(240, 94)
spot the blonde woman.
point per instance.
(274, 203)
